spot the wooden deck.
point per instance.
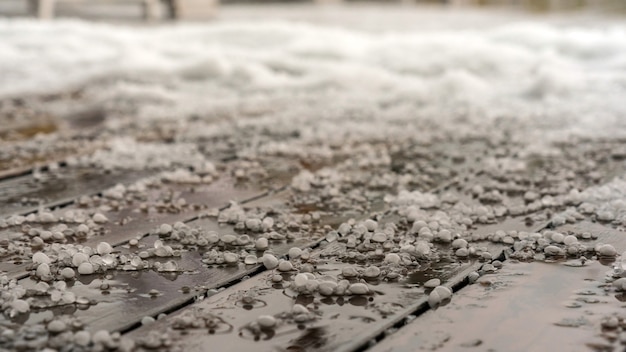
(203, 303)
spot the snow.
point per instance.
(608, 198)
(124, 152)
(570, 78)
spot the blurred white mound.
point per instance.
(552, 76)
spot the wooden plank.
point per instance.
(513, 313)
(26, 194)
(129, 222)
(128, 300)
(199, 277)
(17, 159)
(30, 192)
(32, 137)
(118, 310)
(510, 310)
(119, 229)
(41, 187)
(338, 324)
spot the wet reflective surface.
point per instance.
(522, 307)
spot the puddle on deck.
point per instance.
(511, 310)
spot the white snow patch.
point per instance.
(126, 153)
(551, 77)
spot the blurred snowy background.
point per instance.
(391, 65)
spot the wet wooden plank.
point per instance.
(23, 156)
(27, 193)
(604, 232)
(127, 301)
(342, 323)
(128, 223)
(195, 275)
(510, 310)
(513, 313)
(125, 313)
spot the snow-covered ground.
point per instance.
(433, 63)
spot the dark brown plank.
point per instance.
(195, 275)
(119, 308)
(340, 323)
(25, 194)
(513, 313)
(510, 310)
(116, 231)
